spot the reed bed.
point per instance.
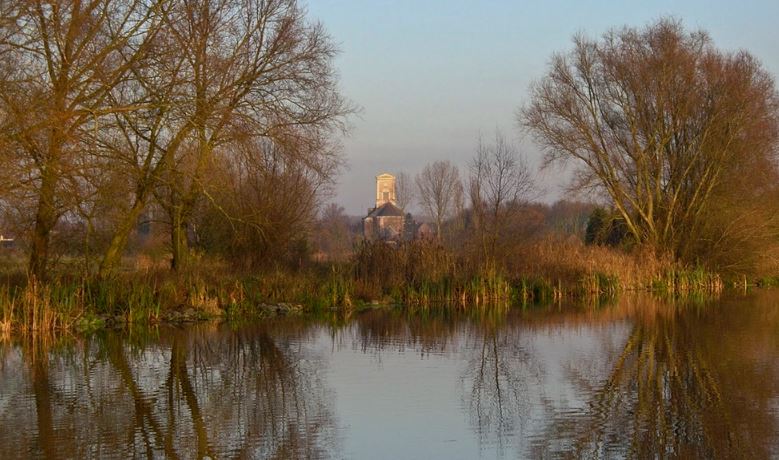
(424, 273)
(84, 303)
(39, 307)
(421, 274)
(581, 270)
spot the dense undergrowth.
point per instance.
(418, 275)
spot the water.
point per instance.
(640, 378)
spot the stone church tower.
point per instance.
(385, 189)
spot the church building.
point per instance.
(385, 220)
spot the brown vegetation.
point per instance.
(500, 187)
(115, 112)
(680, 137)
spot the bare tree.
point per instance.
(110, 106)
(263, 71)
(664, 125)
(60, 61)
(223, 77)
(500, 183)
(438, 185)
(404, 190)
(261, 205)
(142, 145)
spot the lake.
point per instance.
(637, 377)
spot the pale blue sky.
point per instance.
(431, 75)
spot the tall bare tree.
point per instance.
(439, 186)
(226, 75)
(664, 125)
(260, 70)
(140, 146)
(61, 59)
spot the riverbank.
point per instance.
(418, 275)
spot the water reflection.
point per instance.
(196, 393)
(641, 378)
(691, 381)
(497, 380)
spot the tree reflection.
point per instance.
(206, 392)
(499, 365)
(401, 330)
(496, 382)
(684, 385)
(42, 390)
(637, 379)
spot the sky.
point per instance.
(431, 76)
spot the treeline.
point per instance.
(494, 244)
(215, 121)
(336, 236)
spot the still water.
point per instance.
(637, 378)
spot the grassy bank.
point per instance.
(420, 275)
(546, 271)
(85, 303)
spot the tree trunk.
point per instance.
(45, 220)
(116, 247)
(184, 209)
(178, 236)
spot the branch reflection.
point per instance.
(206, 392)
(684, 385)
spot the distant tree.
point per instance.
(500, 183)
(439, 186)
(332, 233)
(666, 127)
(605, 228)
(409, 227)
(597, 226)
(569, 217)
(404, 190)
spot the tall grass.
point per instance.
(583, 270)
(418, 274)
(39, 307)
(423, 273)
(84, 303)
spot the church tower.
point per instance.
(385, 189)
